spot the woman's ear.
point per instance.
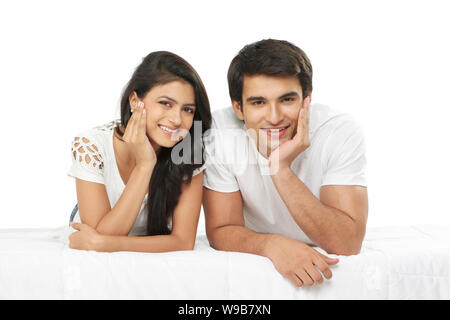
(237, 109)
(133, 100)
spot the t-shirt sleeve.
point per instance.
(218, 175)
(87, 159)
(344, 157)
(199, 170)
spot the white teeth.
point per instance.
(167, 129)
(275, 130)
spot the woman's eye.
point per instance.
(190, 110)
(165, 103)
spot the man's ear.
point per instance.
(237, 109)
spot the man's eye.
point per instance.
(257, 102)
(290, 99)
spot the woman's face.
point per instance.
(170, 112)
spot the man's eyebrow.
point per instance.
(252, 98)
(175, 101)
(289, 94)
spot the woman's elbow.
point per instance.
(184, 243)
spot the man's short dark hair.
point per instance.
(269, 57)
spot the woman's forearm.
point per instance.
(122, 217)
(159, 243)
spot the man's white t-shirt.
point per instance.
(336, 156)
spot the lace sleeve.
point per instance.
(87, 160)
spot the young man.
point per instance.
(283, 174)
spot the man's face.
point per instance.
(270, 110)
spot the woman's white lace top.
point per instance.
(93, 160)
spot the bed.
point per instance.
(395, 263)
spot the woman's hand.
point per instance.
(136, 138)
(87, 238)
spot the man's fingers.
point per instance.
(306, 114)
(295, 280)
(304, 276)
(328, 260)
(300, 121)
(313, 273)
(323, 267)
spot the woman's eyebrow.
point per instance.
(175, 101)
(168, 98)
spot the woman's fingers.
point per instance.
(75, 225)
(142, 123)
(132, 127)
(137, 117)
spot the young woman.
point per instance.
(132, 195)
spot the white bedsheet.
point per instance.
(395, 263)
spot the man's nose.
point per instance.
(273, 114)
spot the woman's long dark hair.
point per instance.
(158, 68)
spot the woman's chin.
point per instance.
(164, 139)
(166, 142)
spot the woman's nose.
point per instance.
(175, 117)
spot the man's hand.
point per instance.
(87, 238)
(283, 156)
(298, 261)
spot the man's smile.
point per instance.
(276, 131)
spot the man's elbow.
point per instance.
(347, 250)
(352, 244)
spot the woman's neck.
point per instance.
(123, 153)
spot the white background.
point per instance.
(63, 65)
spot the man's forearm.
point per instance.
(240, 239)
(329, 228)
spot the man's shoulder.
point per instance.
(325, 119)
(225, 118)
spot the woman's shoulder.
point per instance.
(92, 144)
(99, 134)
